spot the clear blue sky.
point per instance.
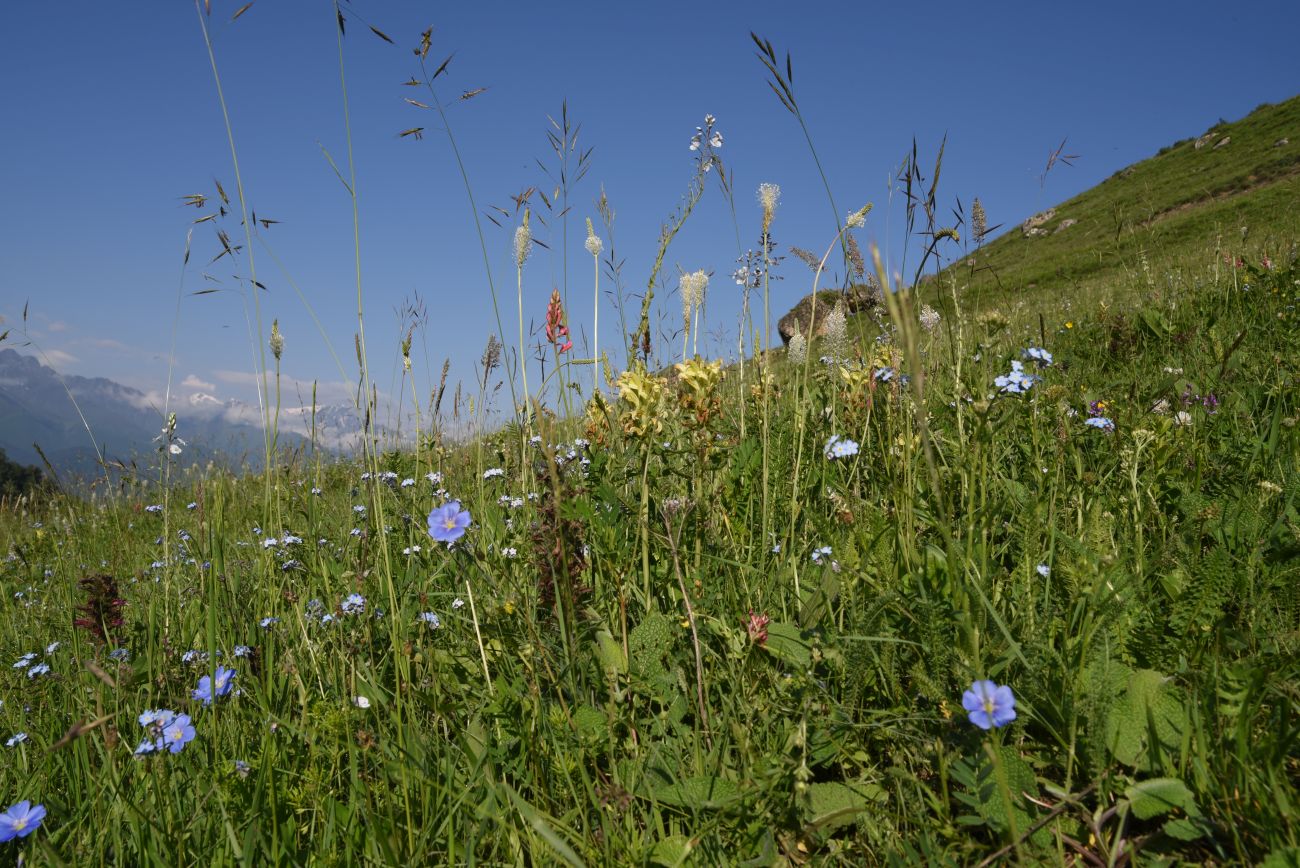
(110, 116)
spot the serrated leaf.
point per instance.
(671, 852)
(836, 804)
(1184, 829)
(1158, 796)
(1148, 708)
(590, 723)
(610, 653)
(703, 792)
(786, 642)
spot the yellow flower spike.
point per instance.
(697, 383)
(643, 394)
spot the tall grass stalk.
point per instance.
(251, 287)
(428, 80)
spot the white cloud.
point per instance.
(193, 382)
(110, 344)
(327, 391)
(59, 360)
(58, 326)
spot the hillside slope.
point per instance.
(1234, 188)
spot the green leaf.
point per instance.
(1158, 796)
(610, 653)
(837, 804)
(542, 828)
(1150, 709)
(1184, 829)
(703, 792)
(786, 642)
(671, 852)
(590, 724)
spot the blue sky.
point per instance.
(111, 116)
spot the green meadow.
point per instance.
(998, 563)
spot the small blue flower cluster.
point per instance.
(840, 447)
(1017, 382)
(166, 731)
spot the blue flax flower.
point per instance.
(165, 730)
(177, 733)
(989, 705)
(20, 820)
(447, 523)
(219, 684)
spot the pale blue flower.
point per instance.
(839, 447)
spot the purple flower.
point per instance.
(447, 523)
(218, 684)
(20, 820)
(989, 705)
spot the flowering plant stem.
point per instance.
(523, 359)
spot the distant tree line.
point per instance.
(16, 479)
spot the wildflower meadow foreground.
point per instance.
(964, 618)
(913, 575)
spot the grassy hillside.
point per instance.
(1172, 210)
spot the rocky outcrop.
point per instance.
(811, 312)
(1033, 227)
(1064, 225)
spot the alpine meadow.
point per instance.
(973, 543)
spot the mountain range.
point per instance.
(41, 408)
